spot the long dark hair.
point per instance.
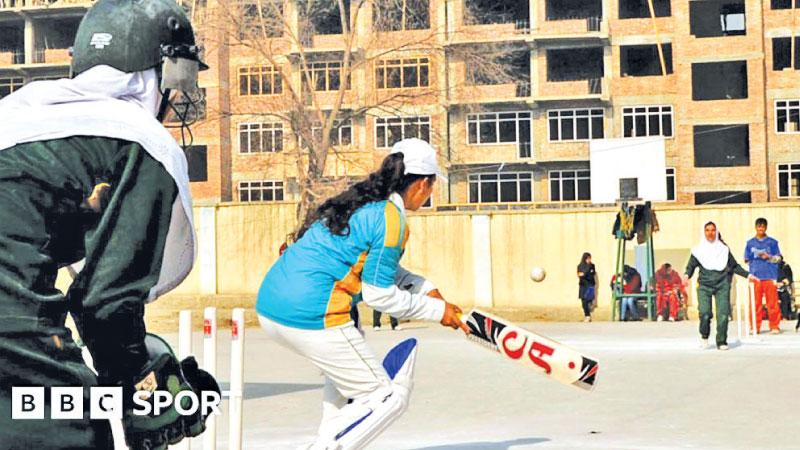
(583, 258)
(336, 211)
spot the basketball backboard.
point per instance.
(628, 169)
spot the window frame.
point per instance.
(348, 123)
(261, 71)
(419, 119)
(400, 64)
(576, 179)
(575, 126)
(647, 115)
(273, 127)
(327, 67)
(497, 182)
(9, 82)
(674, 176)
(277, 185)
(517, 119)
(788, 171)
(788, 109)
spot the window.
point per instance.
(260, 137)
(341, 133)
(255, 24)
(498, 66)
(191, 107)
(721, 197)
(787, 116)
(326, 76)
(261, 191)
(575, 124)
(671, 192)
(260, 80)
(715, 18)
(9, 85)
(322, 17)
(389, 130)
(498, 128)
(784, 4)
(640, 121)
(721, 145)
(719, 80)
(484, 12)
(197, 159)
(573, 9)
(789, 180)
(402, 73)
(643, 60)
(569, 185)
(781, 53)
(428, 203)
(500, 187)
(638, 9)
(394, 15)
(574, 64)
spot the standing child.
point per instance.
(586, 285)
(763, 255)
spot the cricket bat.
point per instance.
(544, 355)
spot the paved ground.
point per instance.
(656, 390)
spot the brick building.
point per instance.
(717, 78)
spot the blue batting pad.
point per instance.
(397, 356)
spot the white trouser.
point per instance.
(352, 374)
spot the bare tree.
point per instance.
(333, 62)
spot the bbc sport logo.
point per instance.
(29, 402)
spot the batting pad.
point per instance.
(372, 414)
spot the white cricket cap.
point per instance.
(419, 157)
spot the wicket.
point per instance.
(209, 364)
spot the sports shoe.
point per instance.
(659, 318)
(587, 319)
(775, 331)
(672, 319)
(722, 347)
(397, 328)
(376, 328)
(704, 343)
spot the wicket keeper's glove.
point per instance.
(164, 373)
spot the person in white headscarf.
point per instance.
(717, 267)
(88, 173)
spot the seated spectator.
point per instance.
(632, 284)
(669, 290)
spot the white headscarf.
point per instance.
(712, 255)
(104, 101)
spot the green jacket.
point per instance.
(44, 226)
(714, 278)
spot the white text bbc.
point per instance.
(105, 402)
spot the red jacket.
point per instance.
(667, 283)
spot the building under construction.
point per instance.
(509, 91)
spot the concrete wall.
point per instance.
(481, 259)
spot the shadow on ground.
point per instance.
(261, 390)
(501, 445)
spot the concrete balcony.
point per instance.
(578, 29)
(591, 89)
(39, 8)
(12, 57)
(518, 30)
(58, 56)
(498, 93)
